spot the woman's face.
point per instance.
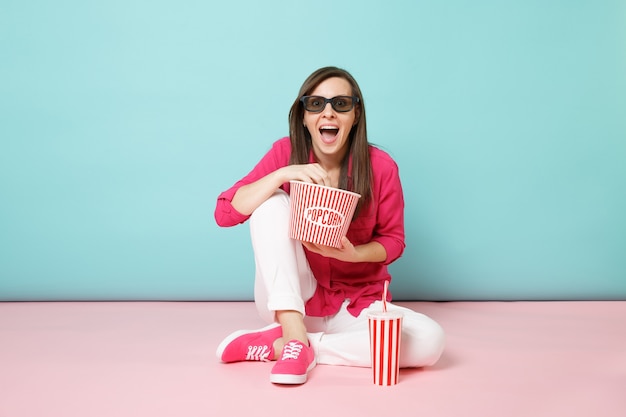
(329, 128)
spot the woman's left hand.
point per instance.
(346, 253)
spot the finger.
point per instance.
(321, 179)
(310, 246)
(319, 175)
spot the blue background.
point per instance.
(121, 121)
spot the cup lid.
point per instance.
(385, 315)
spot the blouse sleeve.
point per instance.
(389, 230)
(277, 157)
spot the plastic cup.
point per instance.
(385, 328)
(320, 214)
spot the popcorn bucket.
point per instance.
(320, 214)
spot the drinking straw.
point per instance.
(385, 296)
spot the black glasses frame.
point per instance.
(333, 102)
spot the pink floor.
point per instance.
(157, 359)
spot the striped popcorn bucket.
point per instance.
(320, 214)
(385, 338)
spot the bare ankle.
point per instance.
(292, 323)
(278, 345)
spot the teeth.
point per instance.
(328, 128)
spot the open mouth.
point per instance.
(328, 133)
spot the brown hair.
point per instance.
(359, 180)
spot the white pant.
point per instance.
(284, 281)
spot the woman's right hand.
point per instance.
(250, 196)
(307, 173)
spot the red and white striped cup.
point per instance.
(385, 337)
(320, 214)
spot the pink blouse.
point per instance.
(382, 221)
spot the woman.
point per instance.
(315, 297)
